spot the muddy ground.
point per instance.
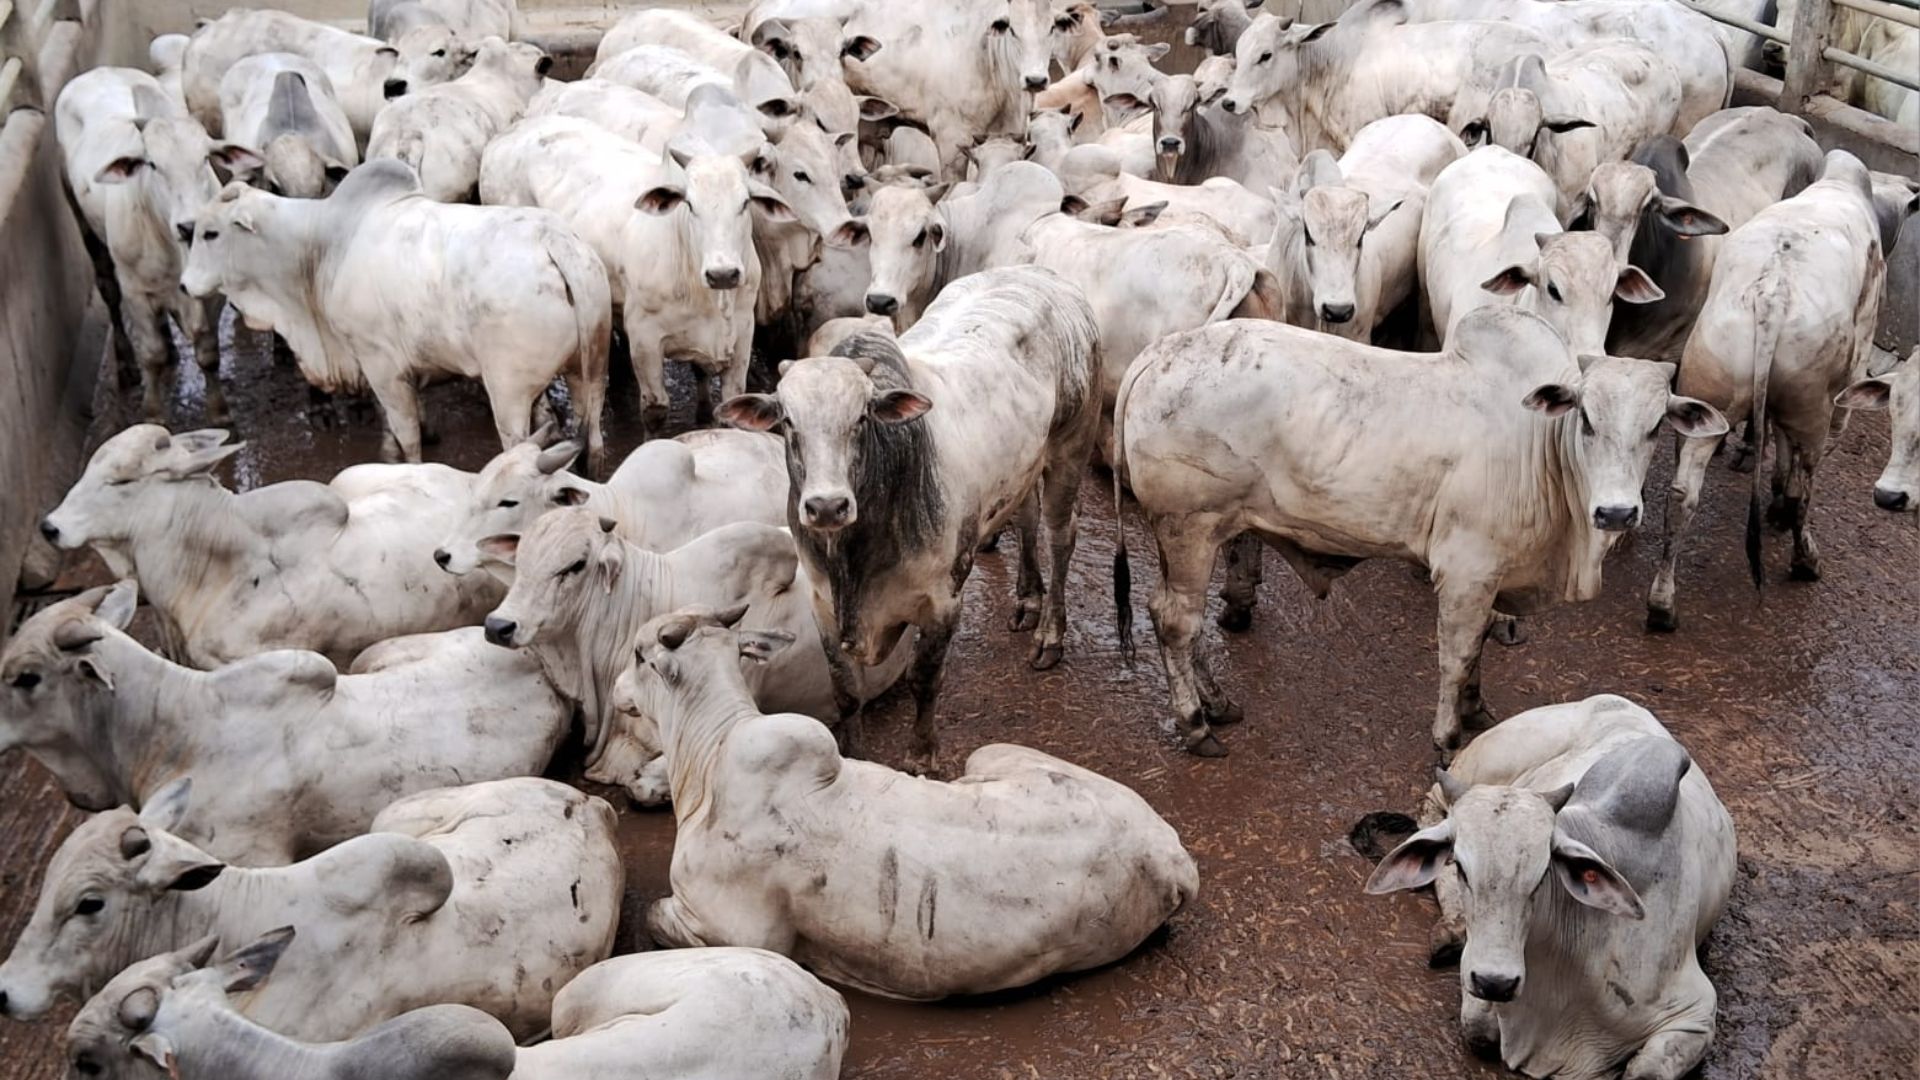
(1799, 705)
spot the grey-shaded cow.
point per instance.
(284, 108)
(1897, 391)
(441, 131)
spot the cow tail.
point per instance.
(1766, 332)
(1242, 278)
(590, 338)
(412, 149)
(1122, 569)
(1263, 300)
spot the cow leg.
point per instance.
(671, 927)
(107, 280)
(512, 403)
(589, 398)
(146, 329)
(1466, 611)
(1683, 501)
(926, 675)
(1745, 452)
(200, 319)
(1806, 459)
(1031, 592)
(1187, 552)
(1669, 1055)
(650, 371)
(1449, 934)
(1059, 502)
(400, 403)
(1246, 554)
(1778, 514)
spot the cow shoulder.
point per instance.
(401, 877)
(293, 507)
(788, 746)
(276, 677)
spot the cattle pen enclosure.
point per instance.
(1802, 700)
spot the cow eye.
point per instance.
(921, 239)
(439, 52)
(122, 482)
(1264, 57)
(802, 177)
(577, 566)
(1307, 235)
(26, 680)
(86, 1066)
(1586, 424)
(1553, 291)
(1001, 26)
(89, 905)
(508, 504)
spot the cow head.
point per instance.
(229, 255)
(688, 647)
(1176, 102)
(1504, 842)
(562, 564)
(1898, 488)
(850, 425)
(1124, 75)
(58, 686)
(905, 234)
(807, 49)
(719, 201)
(1614, 412)
(1623, 203)
(1515, 120)
(291, 165)
(519, 65)
(1333, 221)
(509, 495)
(1218, 24)
(994, 151)
(809, 168)
(126, 483)
(1572, 283)
(1019, 44)
(170, 159)
(114, 1026)
(99, 900)
(1077, 28)
(1266, 63)
(430, 55)
(1050, 134)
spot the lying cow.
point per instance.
(441, 131)
(1583, 858)
(492, 895)
(175, 1013)
(1897, 391)
(295, 565)
(512, 297)
(139, 169)
(1491, 235)
(665, 494)
(283, 106)
(1787, 325)
(1347, 243)
(673, 75)
(758, 79)
(904, 455)
(1434, 460)
(580, 592)
(116, 724)
(892, 885)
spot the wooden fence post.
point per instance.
(1806, 60)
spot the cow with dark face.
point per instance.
(903, 456)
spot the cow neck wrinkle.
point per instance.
(202, 517)
(148, 718)
(601, 646)
(705, 710)
(219, 1042)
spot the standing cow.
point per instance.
(1897, 391)
(442, 130)
(903, 456)
(1500, 465)
(284, 108)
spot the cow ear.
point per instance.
(1475, 133)
(874, 109)
(761, 646)
(504, 548)
(861, 48)
(1560, 125)
(155, 1048)
(851, 234)
(1868, 394)
(121, 170)
(1217, 93)
(611, 562)
(1687, 220)
(1589, 879)
(1695, 419)
(1104, 213)
(1554, 399)
(117, 607)
(770, 205)
(336, 172)
(556, 456)
(1510, 281)
(247, 968)
(751, 412)
(191, 459)
(1073, 120)
(1318, 32)
(1635, 287)
(898, 407)
(1123, 102)
(1158, 51)
(168, 807)
(1380, 215)
(1416, 862)
(1142, 216)
(88, 669)
(1073, 205)
(936, 192)
(664, 199)
(237, 160)
(173, 865)
(569, 496)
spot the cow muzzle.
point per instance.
(1491, 987)
(1034, 83)
(1230, 105)
(830, 512)
(501, 631)
(1884, 498)
(51, 531)
(1615, 518)
(15, 1004)
(723, 277)
(1336, 313)
(394, 88)
(882, 304)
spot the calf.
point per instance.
(890, 496)
(116, 724)
(1490, 234)
(666, 493)
(138, 167)
(491, 895)
(1347, 240)
(1897, 391)
(1096, 870)
(442, 130)
(513, 297)
(1600, 860)
(295, 565)
(1787, 325)
(283, 107)
(1434, 460)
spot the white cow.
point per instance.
(1346, 246)
(283, 107)
(1500, 465)
(884, 882)
(666, 493)
(492, 895)
(675, 235)
(469, 20)
(1575, 110)
(1788, 324)
(115, 724)
(365, 72)
(512, 297)
(1244, 216)
(332, 568)
(580, 592)
(808, 50)
(1894, 46)
(758, 78)
(1195, 140)
(903, 455)
(167, 53)
(672, 75)
(1490, 235)
(629, 113)
(1897, 391)
(1584, 858)
(441, 131)
(138, 167)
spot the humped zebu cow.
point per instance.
(1897, 391)
(414, 25)
(442, 130)
(284, 108)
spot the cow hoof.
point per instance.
(1226, 715)
(1804, 571)
(1780, 515)
(1508, 632)
(1444, 947)
(1207, 746)
(1026, 616)
(1662, 620)
(1236, 620)
(1046, 656)
(923, 763)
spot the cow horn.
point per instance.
(607, 524)
(1557, 798)
(730, 617)
(557, 457)
(675, 635)
(135, 842)
(545, 435)
(75, 636)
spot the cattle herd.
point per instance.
(1422, 280)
